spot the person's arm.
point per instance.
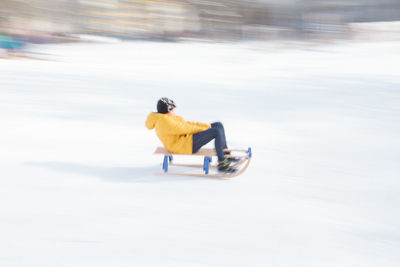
(175, 125)
(201, 124)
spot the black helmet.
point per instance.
(165, 105)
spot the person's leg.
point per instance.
(220, 127)
(202, 138)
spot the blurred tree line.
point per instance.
(207, 19)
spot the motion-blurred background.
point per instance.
(49, 21)
(311, 86)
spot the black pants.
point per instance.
(216, 132)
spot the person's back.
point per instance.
(175, 133)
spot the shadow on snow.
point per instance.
(111, 174)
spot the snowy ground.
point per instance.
(77, 183)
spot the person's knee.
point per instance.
(217, 125)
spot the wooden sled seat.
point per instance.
(207, 152)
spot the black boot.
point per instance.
(231, 159)
(224, 166)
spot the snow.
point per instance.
(77, 183)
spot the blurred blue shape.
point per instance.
(10, 43)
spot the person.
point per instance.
(185, 137)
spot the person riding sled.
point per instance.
(185, 137)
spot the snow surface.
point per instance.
(77, 183)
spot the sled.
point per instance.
(207, 154)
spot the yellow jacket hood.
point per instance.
(152, 120)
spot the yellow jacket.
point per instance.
(175, 133)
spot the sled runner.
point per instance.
(244, 157)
